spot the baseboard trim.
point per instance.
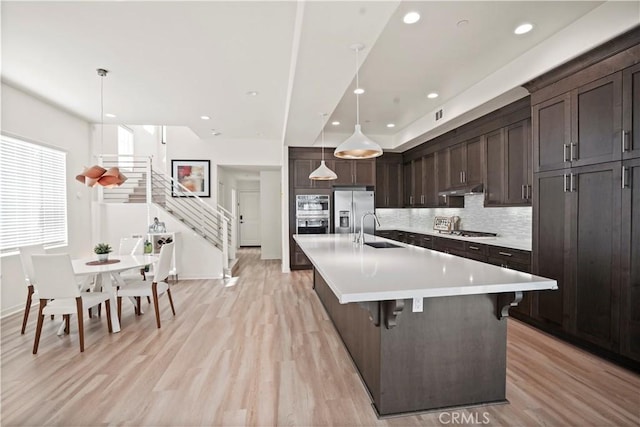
(9, 311)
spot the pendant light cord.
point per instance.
(357, 94)
(101, 113)
(322, 132)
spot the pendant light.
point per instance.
(358, 145)
(96, 174)
(322, 173)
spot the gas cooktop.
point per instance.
(469, 233)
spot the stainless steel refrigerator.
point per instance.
(349, 206)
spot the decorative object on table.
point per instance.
(157, 226)
(102, 250)
(322, 173)
(358, 145)
(163, 241)
(96, 174)
(191, 178)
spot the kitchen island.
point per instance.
(425, 329)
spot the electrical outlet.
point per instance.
(417, 305)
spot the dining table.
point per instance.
(106, 276)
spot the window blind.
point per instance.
(33, 195)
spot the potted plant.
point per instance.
(102, 250)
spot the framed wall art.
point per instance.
(193, 175)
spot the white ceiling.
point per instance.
(171, 62)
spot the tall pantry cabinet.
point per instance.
(586, 189)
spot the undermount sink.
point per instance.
(380, 245)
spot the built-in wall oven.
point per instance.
(312, 214)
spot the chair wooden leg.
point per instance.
(148, 300)
(52, 317)
(80, 322)
(120, 309)
(99, 310)
(138, 310)
(43, 303)
(66, 323)
(27, 308)
(154, 289)
(173, 310)
(90, 310)
(107, 307)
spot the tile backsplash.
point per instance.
(511, 222)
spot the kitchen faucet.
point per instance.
(360, 238)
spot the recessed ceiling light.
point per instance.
(335, 123)
(391, 125)
(411, 18)
(110, 115)
(205, 117)
(252, 93)
(462, 23)
(358, 91)
(432, 95)
(216, 133)
(523, 28)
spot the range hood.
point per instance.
(473, 189)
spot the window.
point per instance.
(125, 148)
(33, 195)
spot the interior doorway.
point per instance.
(249, 218)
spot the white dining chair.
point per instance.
(27, 268)
(59, 294)
(151, 288)
(132, 246)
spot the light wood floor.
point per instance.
(263, 352)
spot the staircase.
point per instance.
(217, 226)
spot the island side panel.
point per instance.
(451, 354)
(360, 336)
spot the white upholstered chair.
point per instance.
(132, 246)
(151, 288)
(59, 293)
(27, 267)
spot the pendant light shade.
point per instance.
(96, 174)
(322, 173)
(358, 145)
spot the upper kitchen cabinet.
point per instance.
(630, 136)
(301, 170)
(508, 172)
(413, 183)
(389, 181)
(355, 172)
(580, 127)
(465, 164)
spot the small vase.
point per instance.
(103, 257)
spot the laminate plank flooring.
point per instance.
(264, 353)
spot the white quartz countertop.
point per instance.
(363, 273)
(522, 244)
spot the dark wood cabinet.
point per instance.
(389, 179)
(630, 259)
(430, 183)
(551, 245)
(354, 172)
(301, 170)
(580, 127)
(465, 164)
(630, 135)
(508, 172)
(413, 183)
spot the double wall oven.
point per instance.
(312, 214)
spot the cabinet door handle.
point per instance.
(573, 157)
(411, 200)
(427, 239)
(564, 152)
(625, 184)
(524, 197)
(572, 186)
(623, 137)
(422, 199)
(505, 253)
(475, 248)
(460, 177)
(564, 181)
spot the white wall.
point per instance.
(195, 258)
(26, 116)
(270, 215)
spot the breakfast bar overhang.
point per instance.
(425, 329)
